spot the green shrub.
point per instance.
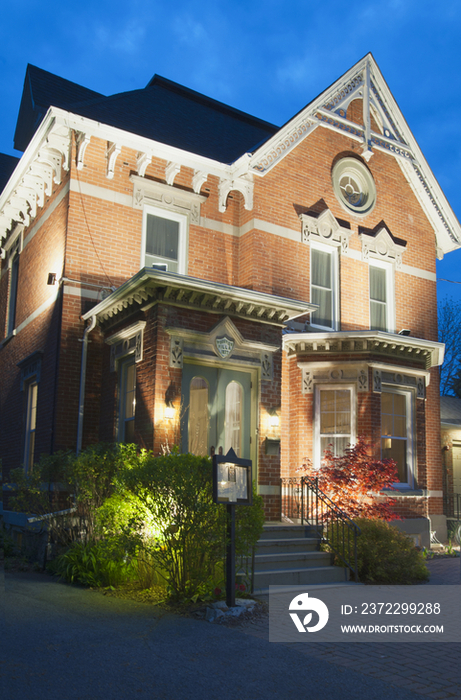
(172, 518)
(101, 565)
(387, 556)
(84, 483)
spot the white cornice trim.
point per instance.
(143, 145)
(355, 342)
(151, 286)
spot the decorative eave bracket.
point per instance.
(37, 181)
(243, 184)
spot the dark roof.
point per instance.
(163, 111)
(450, 409)
(7, 165)
(41, 90)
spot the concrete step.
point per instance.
(263, 593)
(288, 544)
(299, 576)
(291, 560)
(281, 531)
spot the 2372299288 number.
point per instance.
(400, 609)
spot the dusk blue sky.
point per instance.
(268, 58)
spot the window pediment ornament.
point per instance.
(126, 342)
(337, 374)
(382, 246)
(30, 367)
(167, 197)
(394, 378)
(325, 229)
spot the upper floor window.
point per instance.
(324, 286)
(164, 240)
(381, 297)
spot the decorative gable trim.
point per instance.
(325, 228)
(364, 81)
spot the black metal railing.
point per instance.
(453, 505)
(301, 500)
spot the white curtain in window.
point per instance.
(233, 425)
(162, 237)
(321, 288)
(378, 299)
(335, 420)
(198, 417)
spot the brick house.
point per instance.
(174, 270)
(450, 419)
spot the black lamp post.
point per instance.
(232, 485)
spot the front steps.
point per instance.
(288, 555)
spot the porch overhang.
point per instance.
(149, 287)
(357, 344)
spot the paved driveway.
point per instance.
(431, 670)
(65, 642)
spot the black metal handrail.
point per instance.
(302, 499)
(453, 505)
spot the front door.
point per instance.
(217, 410)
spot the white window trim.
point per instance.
(317, 456)
(333, 252)
(183, 243)
(411, 455)
(390, 293)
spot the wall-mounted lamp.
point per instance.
(405, 331)
(274, 420)
(387, 443)
(51, 278)
(169, 411)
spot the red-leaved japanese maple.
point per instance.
(354, 480)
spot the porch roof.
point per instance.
(358, 343)
(150, 286)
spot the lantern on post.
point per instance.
(232, 485)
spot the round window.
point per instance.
(354, 185)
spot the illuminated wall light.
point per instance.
(274, 420)
(169, 411)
